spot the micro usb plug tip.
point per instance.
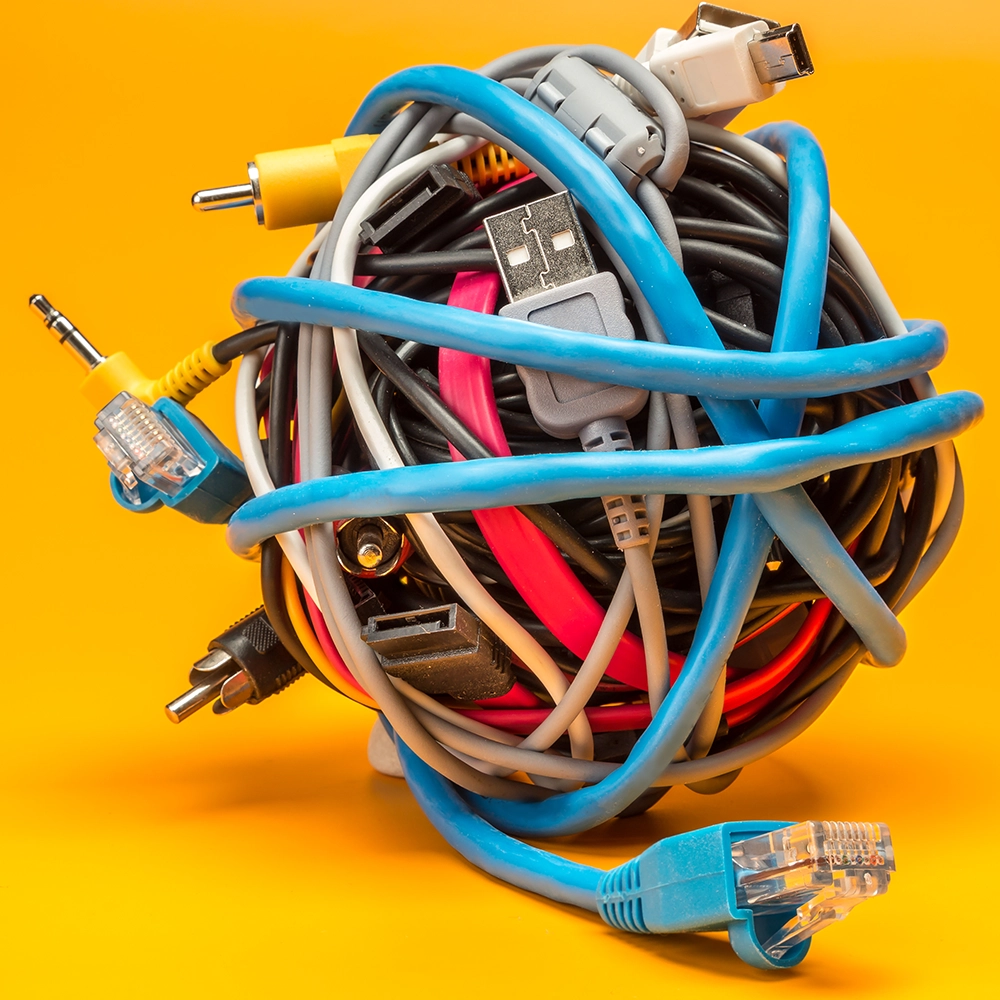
(781, 54)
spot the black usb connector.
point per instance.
(442, 650)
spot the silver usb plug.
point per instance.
(539, 246)
(550, 278)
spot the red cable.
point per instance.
(532, 563)
(752, 686)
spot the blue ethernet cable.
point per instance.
(682, 883)
(529, 479)
(669, 294)
(806, 535)
(803, 283)
(727, 415)
(486, 847)
(693, 371)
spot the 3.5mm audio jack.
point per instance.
(66, 333)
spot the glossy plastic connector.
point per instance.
(443, 650)
(770, 885)
(823, 870)
(163, 455)
(721, 60)
(140, 445)
(550, 277)
(292, 187)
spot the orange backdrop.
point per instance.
(258, 855)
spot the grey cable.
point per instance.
(939, 548)
(676, 141)
(650, 199)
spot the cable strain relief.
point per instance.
(626, 515)
(491, 164)
(191, 375)
(619, 899)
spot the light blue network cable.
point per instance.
(803, 282)
(726, 382)
(487, 848)
(792, 516)
(533, 479)
(682, 883)
(692, 371)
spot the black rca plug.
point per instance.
(246, 663)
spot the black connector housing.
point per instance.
(430, 199)
(442, 650)
(245, 664)
(254, 647)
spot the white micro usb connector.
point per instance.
(721, 60)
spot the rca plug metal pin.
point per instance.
(371, 546)
(232, 196)
(245, 664)
(66, 333)
(207, 678)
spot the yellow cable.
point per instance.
(182, 383)
(303, 629)
(339, 411)
(188, 377)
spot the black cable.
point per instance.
(434, 262)
(773, 246)
(244, 342)
(426, 402)
(736, 334)
(421, 397)
(752, 270)
(727, 204)
(919, 518)
(279, 448)
(277, 612)
(741, 174)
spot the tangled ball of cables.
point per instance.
(794, 459)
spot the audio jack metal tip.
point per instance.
(66, 333)
(232, 196)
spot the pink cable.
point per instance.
(533, 564)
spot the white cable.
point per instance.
(253, 459)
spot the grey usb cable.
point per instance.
(550, 278)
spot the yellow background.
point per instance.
(258, 855)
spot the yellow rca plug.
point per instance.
(292, 187)
(108, 376)
(300, 187)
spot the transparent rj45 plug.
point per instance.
(141, 446)
(821, 869)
